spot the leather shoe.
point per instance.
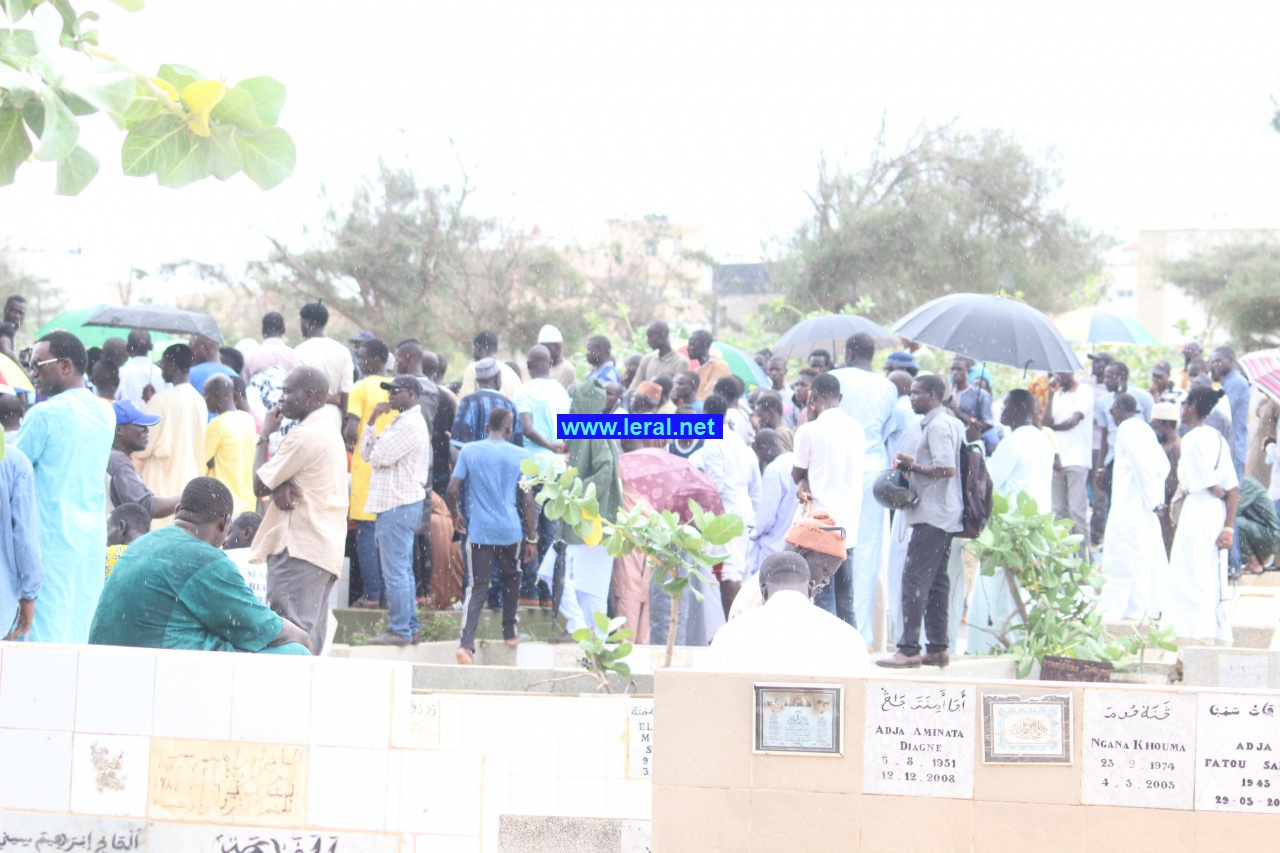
(900, 661)
(390, 639)
(935, 659)
(464, 656)
(529, 602)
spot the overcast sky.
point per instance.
(715, 114)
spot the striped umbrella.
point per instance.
(13, 376)
(1089, 325)
(1263, 367)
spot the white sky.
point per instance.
(566, 114)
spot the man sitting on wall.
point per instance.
(174, 589)
(788, 635)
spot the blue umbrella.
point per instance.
(1088, 325)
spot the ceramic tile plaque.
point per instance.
(640, 739)
(221, 781)
(919, 740)
(799, 718)
(50, 833)
(1020, 729)
(1139, 750)
(1237, 754)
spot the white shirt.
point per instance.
(1023, 462)
(735, 470)
(135, 374)
(788, 635)
(330, 358)
(1075, 445)
(832, 447)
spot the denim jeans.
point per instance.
(367, 557)
(530, 586)
(395, 543)
(837, 596)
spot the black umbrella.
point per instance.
(829, 333)
(156, 318)
(993, 329)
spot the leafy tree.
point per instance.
(1239, 286)
(953, 211)
(44, 301)
(179, 126)
(408, 260)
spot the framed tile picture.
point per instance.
(799, 718)
(1026, 729)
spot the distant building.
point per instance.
(1137, 290)
(740, 291)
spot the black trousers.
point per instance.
(481, 561)
(926, 588)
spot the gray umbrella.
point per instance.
(993, 329)
(156, 318)
(829, 333)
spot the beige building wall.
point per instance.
(1136, 289)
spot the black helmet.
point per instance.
(892, 491)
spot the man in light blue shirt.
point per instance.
(778, 503)
(21, 572)
(539, 404)
(871, 400)
(1223, 368)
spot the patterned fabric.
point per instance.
(400, 459)
(667, 482)
(472, 421)
(113, 554)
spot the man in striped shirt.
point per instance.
(400, 459)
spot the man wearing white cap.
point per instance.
(561, 370)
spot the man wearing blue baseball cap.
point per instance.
(126, 487)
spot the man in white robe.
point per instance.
(1022, 462)
(175, 454)
(1133, 557)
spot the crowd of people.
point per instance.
(210, 498)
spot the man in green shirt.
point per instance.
(174, 589)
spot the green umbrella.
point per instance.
(90, 336)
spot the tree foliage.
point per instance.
(1239, 286)
(409, 261)
(44, 301)
(180, 126)
(953, 211)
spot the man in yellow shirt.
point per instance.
(371, 358)
(229, 441)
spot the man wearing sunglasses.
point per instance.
(68, 440)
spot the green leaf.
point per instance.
(191, 166)
(614, 624)
(129, 5)
(622, 650)
(602, 621)
(15, 9)
(236, 107)
(178, 76)
(269, 156)
(529, 467)
(55, 125)
(143, 155)
(722, 529)
(622, 668)
(17, 47)
(221, 153)
(75, 171)
(552, 510)
(107, 86)
(268, 97)
(15, 145)
(581, 634)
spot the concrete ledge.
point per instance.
(1216, 666)
(516, 679)
(530, 834)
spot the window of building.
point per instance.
(1124, 294)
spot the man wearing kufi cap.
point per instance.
(471, 422)
(561, 370)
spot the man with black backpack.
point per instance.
(934, 472)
